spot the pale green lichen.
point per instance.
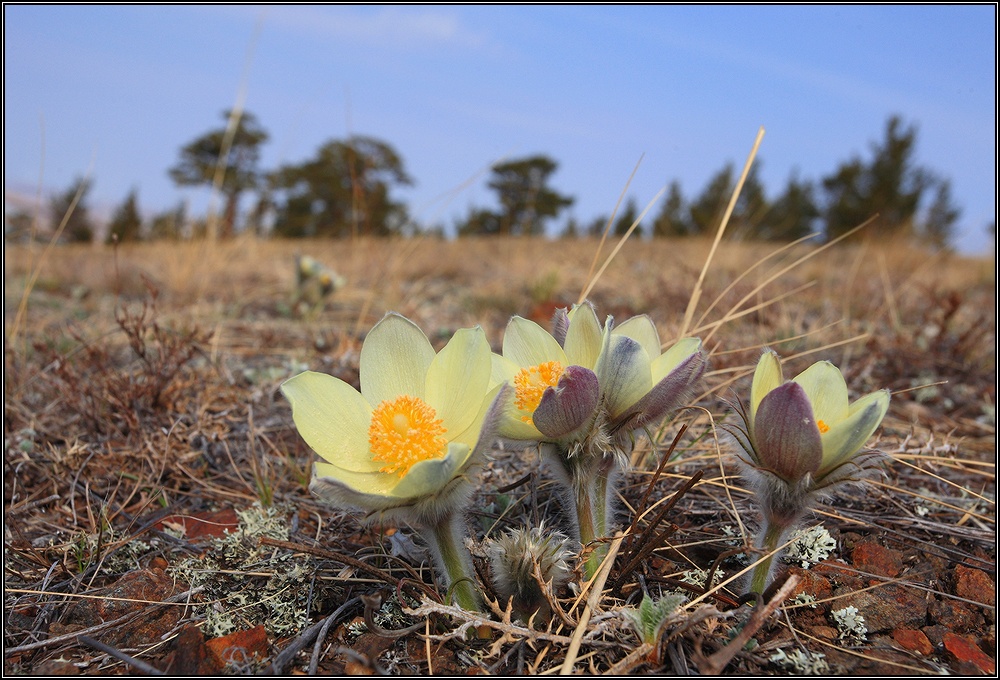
(697, 577)
(800, 662)
(810, 546)
(850, 624)
(245, 583)
(115, 551)
(805, 600)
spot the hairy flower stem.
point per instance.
(591, 488)
(773, 533)
(445, 539)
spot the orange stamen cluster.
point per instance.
(403, 432)
(823, 427)
(530, 384)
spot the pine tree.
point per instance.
(126, 224)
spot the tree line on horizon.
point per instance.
(346, 188)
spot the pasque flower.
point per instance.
(524, 561)
(583, 392)
(404, 447)
(798, 439)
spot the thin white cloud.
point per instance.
(386, 27)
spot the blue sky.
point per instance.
(454, 89)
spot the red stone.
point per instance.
(190, 655)
(811, 583)
(913, 640)
(203, 524)
(967, 651)
(974, 585)
(240, 646)
(889, 607)
(960, 617)
(872, 558)
(824, 632)
(131, 593)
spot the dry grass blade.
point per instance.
(621, 242)
(604, 235)
(777, 275)
(59, 639)
(232, 126)
(696, 293)
(649, 541)
(715, 664)
(596, 590)
(22, 307)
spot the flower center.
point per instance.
(823, 427)
(403, 432)
(530, 384)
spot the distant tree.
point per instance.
(126, 224)
(890, 185)
(79, 227)
(263, 210)
(526, 200)
(792, 215)
(202, 159)
(673, 219)
(19, 226)
(435, 231)
(479, 222)
(595, 228)
(938, 227)
(343, 190)
(571, 230)
(626, 217)
(751, 207)
(198, 228)
(168, 225)
(707, 209)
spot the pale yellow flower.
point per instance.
(808, 425)
(405, 442)
(616, 377)
(798, 439)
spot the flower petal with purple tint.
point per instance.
(666, 395)
(786, 434)
(569, 405)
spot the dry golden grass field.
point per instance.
(157, 516)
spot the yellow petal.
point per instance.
(624, 374)
(765, 378)
(583, 339)
(470, 435)
(394, 360)
(429, 476)
(846, 438)
(827, 391)
(674, 357)
(511, 426)
(502, 370)
(458, 378)
(333, 419)
(642, 330)
(528, 344)
(374, 483)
